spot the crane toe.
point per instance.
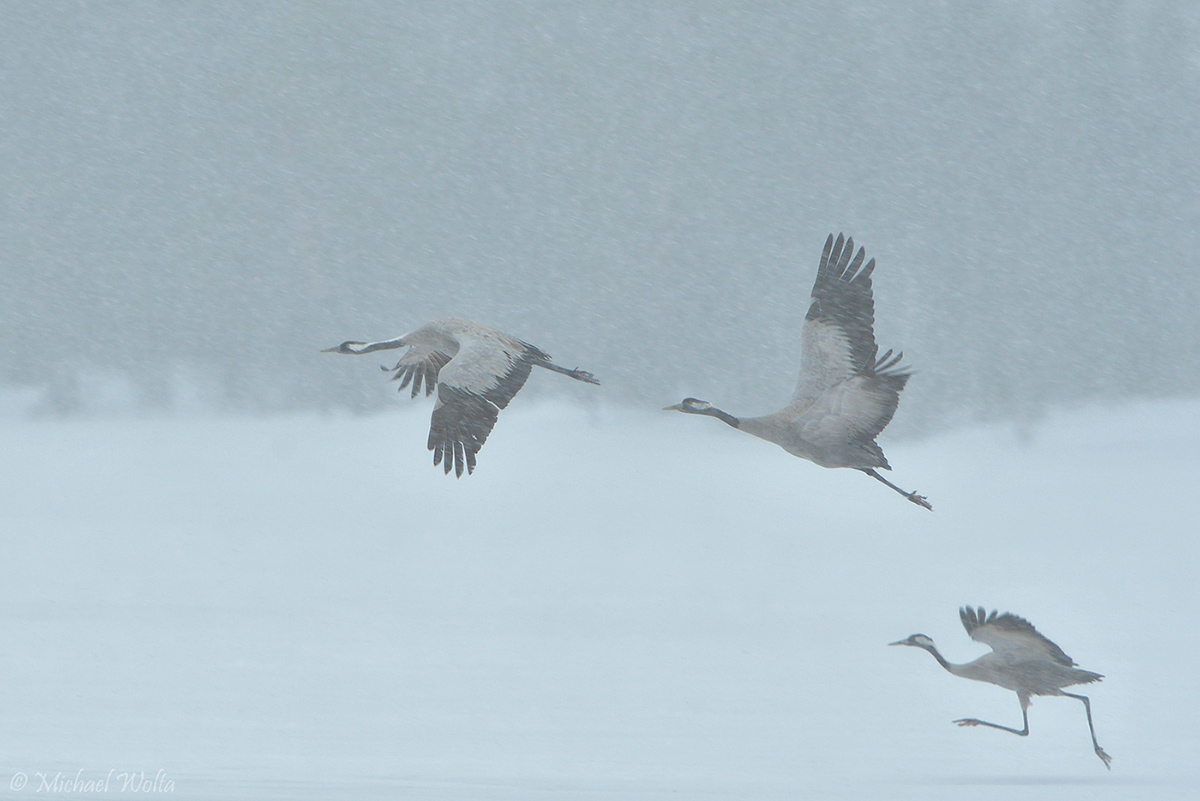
(583, 375)
(919, 500)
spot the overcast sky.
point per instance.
(220, 189)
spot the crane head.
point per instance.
(916, 641)
(690, 406)
(345, 347)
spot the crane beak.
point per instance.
(899, 642)
(676, 408)
(329, 350)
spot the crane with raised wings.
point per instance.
(1022, 659)
(847, 393)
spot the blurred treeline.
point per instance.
(641, 189)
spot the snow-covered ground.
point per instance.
(616, 605)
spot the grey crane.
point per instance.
(477, 371)
(846, 393)
(1021, 660)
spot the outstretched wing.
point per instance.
(473, 387)
(838, 339)
(1009, 634)
(419, 366)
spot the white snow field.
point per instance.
(618, 604)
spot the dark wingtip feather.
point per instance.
(844, 259)
(459, 460)
(852, 269)
(865, 273)
(971, 619)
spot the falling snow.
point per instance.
(231, 569)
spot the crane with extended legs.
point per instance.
(847, 393)
(477, 370)
(1021, 660)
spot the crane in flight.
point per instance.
(477, 370)
(1021, 660)
(846, 393)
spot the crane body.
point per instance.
(476, 370)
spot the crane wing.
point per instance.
(420, 365)
(1009, 634)
(838, 339)
(473, 387)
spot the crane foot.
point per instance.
(919, 500)
(1100, 752)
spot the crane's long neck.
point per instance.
(931, 648)
(724, 417)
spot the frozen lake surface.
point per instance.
(616, 605)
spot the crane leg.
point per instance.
(1024, 716)
(577, 374)
(1087, 705)
(919, 500)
